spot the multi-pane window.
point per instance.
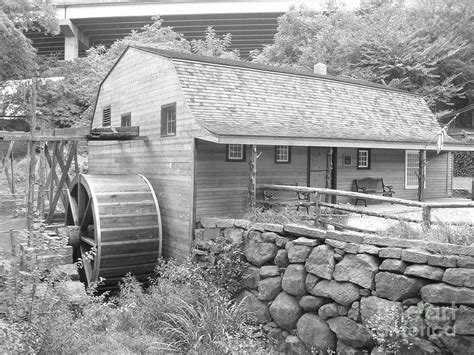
(412, 167)
(126, 120)
(106, 116)
(363, 158)
(282, 154)
(235, 152)
(168, 120)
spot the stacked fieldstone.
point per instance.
(317, 290)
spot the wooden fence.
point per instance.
(317, 202)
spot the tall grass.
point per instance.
(182, 311)
(441, 233)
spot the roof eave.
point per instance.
(340, 143)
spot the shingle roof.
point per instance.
(242, 99)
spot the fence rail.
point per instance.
(425, 206)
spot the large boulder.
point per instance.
(344, 349)
(393, 265)
(329, 310)
(315, 333)
(357, 268)
(311, 281)
(350, 332)
(425, 271)
(312, 303)
(397, 287)
(251, 277)
(372, 306)
(269, 288)
(464, 324)
(294, 278)
(285, 311)
(342, 292)
(258, 253)
(297, 253)
(419, 346)
(257, 309)
(321, 262)
(446, 294)
(459, 277)
(281, 258)
(458, 345)
(295, 346)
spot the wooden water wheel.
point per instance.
(115, 227)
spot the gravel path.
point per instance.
(445, 215)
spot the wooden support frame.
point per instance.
(7, 162)
(62, 157)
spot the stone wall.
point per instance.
(317, 290)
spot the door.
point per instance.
(317, 167)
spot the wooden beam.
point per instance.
(342, 193)
(421, 175)
(253, 176)
(64, 178)
(329, 172)
(114, 133)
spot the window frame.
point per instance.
(369, 156)
(228, 150)
(109, 109)
(128, 117)
(288, 159)
(165, 122)
(407, 186)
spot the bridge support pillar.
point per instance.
(74, 39)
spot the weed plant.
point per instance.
(186, 309)
(441, 233)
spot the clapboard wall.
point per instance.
(390, 165)
(222, 187)
(140, 84)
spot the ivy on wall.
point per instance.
(463, 164)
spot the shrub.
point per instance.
(285, 215)
(463, 163)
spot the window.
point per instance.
(235, 152)
(106, 117)
(412, 165)
(363, 158)
(168, 120)
(282, 154)
(347, 160)
(126, 120)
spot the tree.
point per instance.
(71, 101)
(421, 49)
(17, 17)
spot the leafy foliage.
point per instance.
(70, 101)
(463, 164)
(17, 17)
(425, 48)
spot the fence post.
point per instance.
(12, 242)
(426, 216)
(317, 211)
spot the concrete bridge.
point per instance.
(86, 23)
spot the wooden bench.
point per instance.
(372, 186)
(285, 198)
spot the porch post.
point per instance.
(329, 167)
(421, 175)
(253, 177)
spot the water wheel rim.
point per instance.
(81, 213)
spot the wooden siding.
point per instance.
(140, 84)
(221, 187)
(390, 165)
